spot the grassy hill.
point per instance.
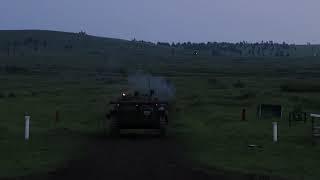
(38, 42)
(79, 81)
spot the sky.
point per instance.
(293, 21)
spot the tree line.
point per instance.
(12, 47)
(34, 45)
(267, 48)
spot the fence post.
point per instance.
(27, 126)
(275, 131)
(243, 114)
(57, 116)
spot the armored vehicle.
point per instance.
(137, 111)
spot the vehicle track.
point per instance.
(138, 157)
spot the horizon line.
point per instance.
(155, 42)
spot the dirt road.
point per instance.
(137, 157)
(130, 158)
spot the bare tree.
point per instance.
(8, 48)
(35, 45)
(173, 52)
(44, 44)
(15, 44)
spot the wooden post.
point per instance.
(305, 117)
(57, 116)
(259, 112)
(315, 128)
(312, 129)
(243, 114)
(8, 48)
(290, 118)
(14, 50)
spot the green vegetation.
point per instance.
(211, 92)
(301, 86)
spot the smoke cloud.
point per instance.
(143, 83)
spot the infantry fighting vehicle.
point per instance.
(138, 111)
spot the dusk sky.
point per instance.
(293, 21)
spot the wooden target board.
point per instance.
(315, 119)
(268, 111)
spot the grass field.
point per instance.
(206, 116)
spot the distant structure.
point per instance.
(82, 35)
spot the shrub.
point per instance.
(239, 84)
(297, 108)
(12, 95)
(247, 95)
(15, 69)
(300, 86)
(212, 81)
(110, 81)
(33, 93)
(123, 71)
(216, 84)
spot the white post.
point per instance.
(27, 127)
(275, 132)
